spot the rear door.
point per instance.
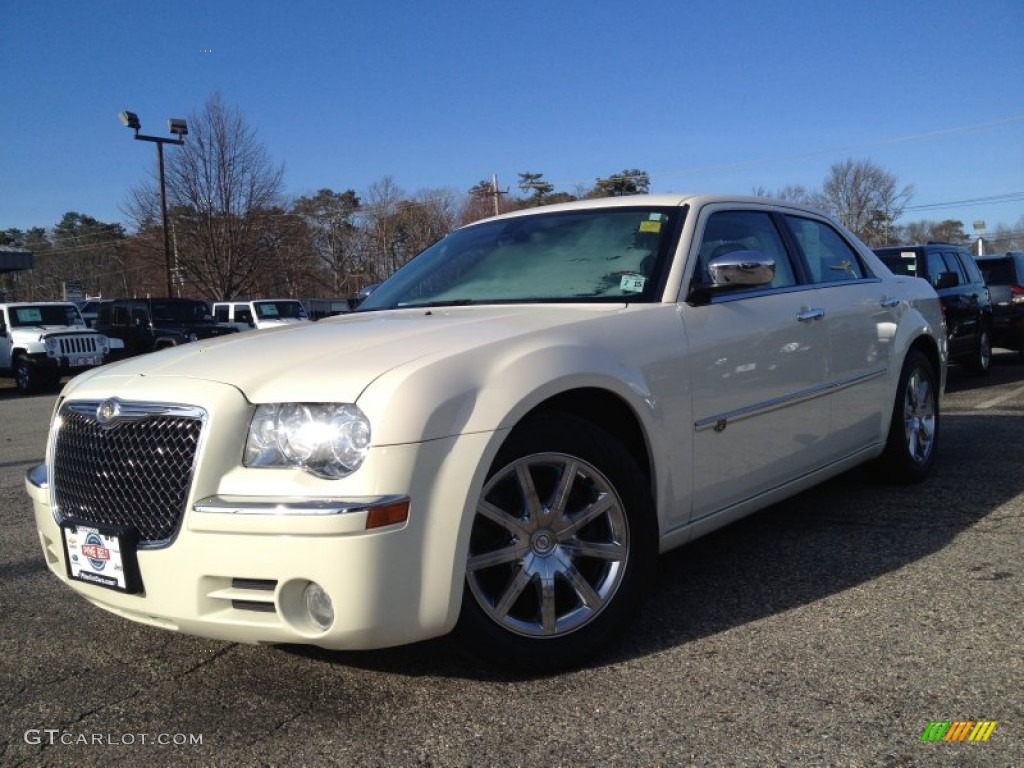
(861, 319)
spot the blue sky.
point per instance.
(717, 96)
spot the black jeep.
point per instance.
(148, 325)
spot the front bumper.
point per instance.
(64, 365)
(245, 553)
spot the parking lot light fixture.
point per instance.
(179, 128)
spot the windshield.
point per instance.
(46, 314)
(607, 254)
(278, 310)
(900, 262)
(180, 311)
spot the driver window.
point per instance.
(729, 231)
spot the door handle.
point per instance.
(810, 313)
(888, 302)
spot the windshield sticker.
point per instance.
(907, 254)
(29, 315)
(650, 226)
(632, 283)
(267, 310)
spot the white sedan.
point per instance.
(503, 437)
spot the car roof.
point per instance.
(37, 304)
(653, 201)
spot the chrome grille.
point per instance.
(134, 469)
(79, 344)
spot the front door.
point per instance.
(758, 370)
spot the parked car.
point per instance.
(1004, 274)
(260, 313)
(502, 438)
(42, 341)
(149, 325)
(966, 303)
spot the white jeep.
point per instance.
(42, 341)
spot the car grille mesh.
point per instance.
(135, 471)
(77, 345)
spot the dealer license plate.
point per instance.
(77, 361)
(101, 555)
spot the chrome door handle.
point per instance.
(889, 302)
(808, 314)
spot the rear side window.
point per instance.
(829, 257)
(221, 314)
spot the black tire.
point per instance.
(26, 377)
(981, 361)
(544, 590)
(914, 430)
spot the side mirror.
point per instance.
(741, 269)
(946, 280)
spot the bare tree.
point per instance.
(865, 198)
(793, 193)
(221, 186)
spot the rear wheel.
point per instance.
(914, 429)
(981, 361)
(562, 548)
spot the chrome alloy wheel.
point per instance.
(919, 415)
(549, 545)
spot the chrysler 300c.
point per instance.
(504, 436)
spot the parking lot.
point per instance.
(828, 630)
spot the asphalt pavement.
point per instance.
(830, 630)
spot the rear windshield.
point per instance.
(274, 310)
(998, 272)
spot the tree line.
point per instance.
(233, 234)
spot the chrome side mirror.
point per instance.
(741, 269)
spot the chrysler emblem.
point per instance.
(107, 411)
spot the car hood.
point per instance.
(42, 331)
(337, 358)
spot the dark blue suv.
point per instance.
(966, 302)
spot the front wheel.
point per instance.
(914, 429)
(26, 378)
(562, 547)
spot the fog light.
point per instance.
(318, 605)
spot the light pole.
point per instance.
(179, 129)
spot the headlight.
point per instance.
(51, 347)
(327, 439)
(102, 341)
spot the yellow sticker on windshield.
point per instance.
(650, 226)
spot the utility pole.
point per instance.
(496, 193)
